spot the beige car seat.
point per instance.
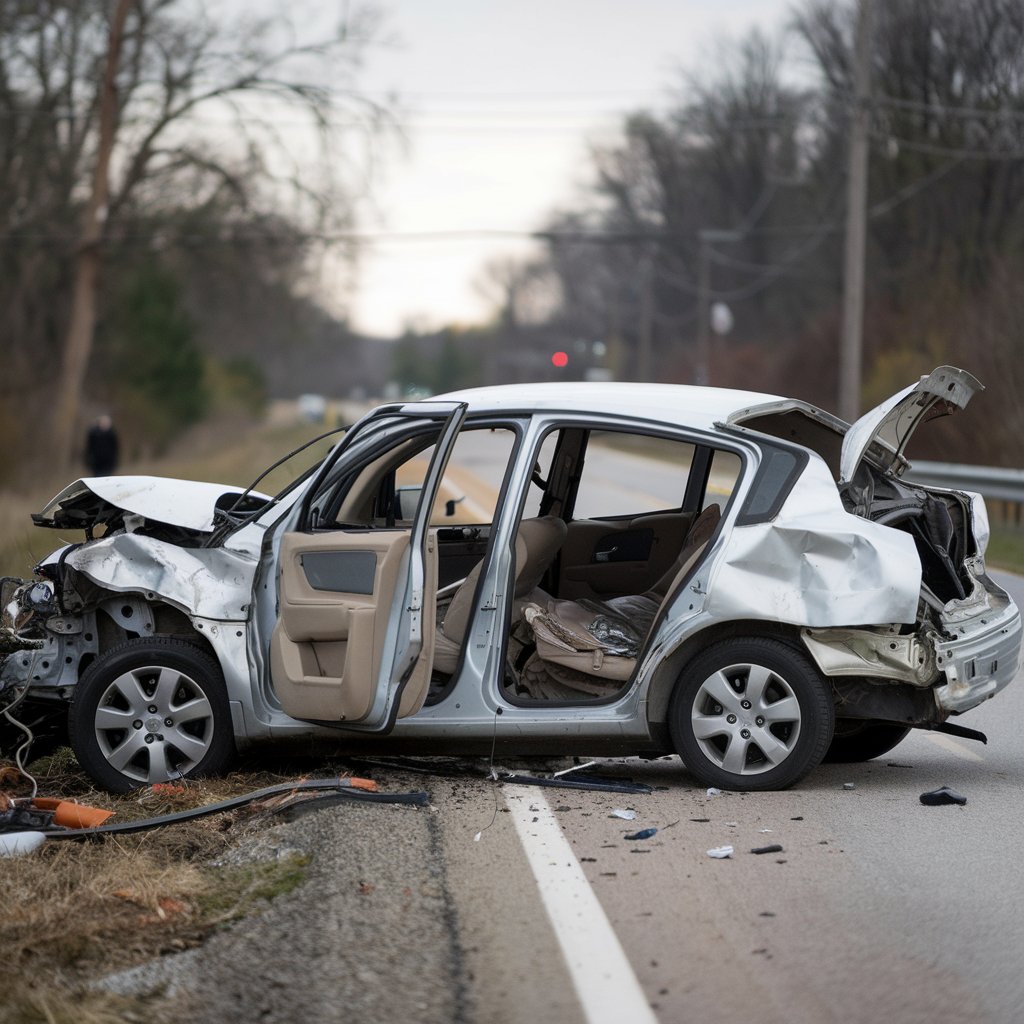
(537, 543)
(563, 630)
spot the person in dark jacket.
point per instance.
(101, 447)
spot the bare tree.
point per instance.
(119, 110)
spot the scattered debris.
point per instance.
(70, 814)
(341, 785)
(773, 848)
(621, 812)
(942, 795)
(721, 852)
(849, 785)
(713, 791)
(798, 818)
(575, 768)
(766, 830)
(701, 821)
(591, 782)
(897, 764)
(644, 833)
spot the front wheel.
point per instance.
(751, 714)
(151, 710)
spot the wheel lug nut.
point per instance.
(160, 737)
(760, 721)
(137, 724)
(149, 737)
(168, 722)
(745, 733)
(152, 709)
(731, 719)
(745, 705)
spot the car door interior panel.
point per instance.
(327, 646)
(625, 556)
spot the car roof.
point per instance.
(681, 404)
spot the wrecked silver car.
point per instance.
(611, 569)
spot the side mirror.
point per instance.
(449, 505)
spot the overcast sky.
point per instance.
(503, 97)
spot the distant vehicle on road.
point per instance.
(312, 408)
(461, 574)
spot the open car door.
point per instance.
(353, 643)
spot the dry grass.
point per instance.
(75, 911)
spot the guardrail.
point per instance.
(1003, 489)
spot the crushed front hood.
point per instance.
(188, 504)
(887, 428)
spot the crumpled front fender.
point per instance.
(210, 583)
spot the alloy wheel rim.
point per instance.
(746, 719)
(154, 723)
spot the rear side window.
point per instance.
(635, 474)
(775, 478)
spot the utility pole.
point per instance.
(850, 350)
(82, 318)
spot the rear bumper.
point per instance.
(981, 661)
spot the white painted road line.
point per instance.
(953, 747)
(605, 983)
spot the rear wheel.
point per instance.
(751, 714)
(149, 711)
(861, 740)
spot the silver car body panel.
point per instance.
(889, 426)
(981, 660)
(816, 565)
(881, 653)
(188, 504)
(210, 583)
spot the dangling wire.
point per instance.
(20, 753)
(493, 776)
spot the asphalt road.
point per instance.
(877, 909)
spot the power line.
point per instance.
(961, 153)
(949, 110)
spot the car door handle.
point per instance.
(605, 556)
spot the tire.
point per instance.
(860, 740)
(777, 739)
(151, 710)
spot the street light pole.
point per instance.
(850, 351)
(705, 237)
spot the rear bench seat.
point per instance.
(582, 635)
